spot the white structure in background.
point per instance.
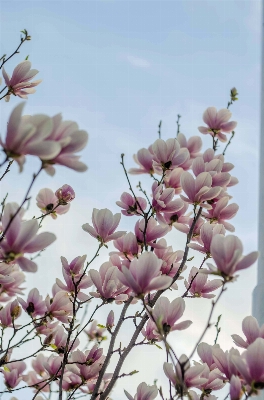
(258, 293)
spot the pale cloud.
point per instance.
(137, 61)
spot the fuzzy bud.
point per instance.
(110, 321)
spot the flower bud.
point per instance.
(110, 321)
(65, 194)
(233, 94)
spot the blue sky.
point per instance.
(117, 68)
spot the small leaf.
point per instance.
(101, 326)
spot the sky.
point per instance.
(117, 68)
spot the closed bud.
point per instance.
(65, 194)
(110, 321)
(233, 94)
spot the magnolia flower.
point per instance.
(108, 286)
(104, 225)
(65, 194)
(9, 313)
(235, 389)
(214, 167)
(165, 314)
(225, 361)
(70, 140)
(20, 238)
(34, 305)
(172, 179)
(13, 373)
(220, 212)
(60, 307)
(250, 364)
(198, 190)
(29, 135)
(144, 392)
(95, 332)
(19, 84)
(251, 330)
(163, 202)
(198, 286)
(11, 277)
(130, 205)
(48, 202)
(144, 275)
(193, 145)
(192, 375)
(227, 254)
(144, 158)
(207, 232)
(153, 232)
(127, 246)
(168, 155)
(217, 122)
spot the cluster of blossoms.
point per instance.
(189, 192)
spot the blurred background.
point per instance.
(117, 68)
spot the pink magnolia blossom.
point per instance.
(214, 381)
(224, 361)
(166, 314)
(144, 392)
(205, 352)
(130, 205)
(153, 232)
(207, 232)
(13, 373)
(251, 330)
(185, 228)
(217, 122)
(193, 145)
(127, 245)
(35, 381)
(168, 155)
(71, 381)
(38, 364)
(19, 84)
(144, 275)
(11, 277)
(150, 332)
(192, 375)
(90, 385)
(163, 202)
(52, 365)
(210, 155)
(60, 307)
(108, 286)
(250, 364)
(34, 305)
(9, 313)
(235, 388)
(58, 342)
(29, 135)
(179, 219)
(172, 179)
(199, 285)
(144, 158)
(94, 332)
(220, 212)
(70, 140)
(75, 267)
(214, 167)
(227, 254)
(104, 225)
(21, 237)
(65, 194)
(170, 259)
(72, 273)
(47, 201)
(198, 190)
